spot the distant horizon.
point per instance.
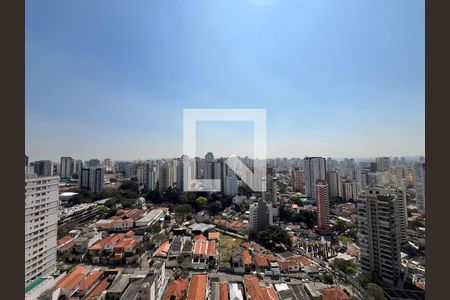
(219, 157)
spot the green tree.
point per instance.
(273, 235)
(103, 211)
(201, 202)
(187, 198)
(376, 291)
(153, 229)
(245, 191)
(183, 209)
(129, 185)
(214, 207)
(345, 266)
(365, 278)
(327, 279)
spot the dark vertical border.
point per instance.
(12, 101)
(437, 115)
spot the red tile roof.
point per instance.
(67, 246)
(176, 288)
(162, 250)
(334, 294)
(246, 258)
(270, 291)
(90, 279)
(212, 248)
(271, 258)
(73, 279)
(284, 265)
(213, 235)
(64, 240)
(125, 244)
(129, 233)
(97, 290)
(223, 288)
(197, 290)
(301, 259)
(109, 240)
(200, 237)
(256, 292)
(200, 247)
(260, 260)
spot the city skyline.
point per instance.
(408, 158)
(112, 81)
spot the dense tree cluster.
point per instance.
(304, 216)
(273, 237)
(345, 266)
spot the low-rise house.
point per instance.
(122, 225)
(261, 262)
(198, 289)
(162, 250)
(83, 282)
(147, 287)
(290, 266)
(274, 269)
(237, 262)
(223, 291)
(204, 253)
(334, 294)
(118, 287)
(247, 261)
(98, 292)
(235, 292)
(115, 249)
(255, 291)
(177, 289)
(214, 236)
(89, 282)
(69, 284)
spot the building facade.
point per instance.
(298, 179)
(43, 167)
(66, 167)
(383, 164)
(92, 179)
(379, 234)
(314, 168)
(419, 184)
(41, 225)
(260, 215)
(322, 204)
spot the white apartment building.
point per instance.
(41, 225)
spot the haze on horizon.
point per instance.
(338, 79)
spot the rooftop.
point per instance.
(201, 227)
(197, 290)
(74, 278)
(163, 249)
(223, 286)
(176, 288)
(334, 294)
(213, 235)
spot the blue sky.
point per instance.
(341, 78)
